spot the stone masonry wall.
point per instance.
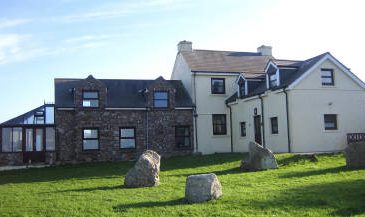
(161, 127)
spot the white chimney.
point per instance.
(265, 50)
(185, 46)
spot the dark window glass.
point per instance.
(161, 99)
(218, 86)
(273, 80)
(274, 125)
(219, 124)
(330, 122)
(90, 139)
(242, 89)
(90, 99)
(127, 137)
(182, 137)
(243, 129)
(327, 77)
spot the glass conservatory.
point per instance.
(32, 134)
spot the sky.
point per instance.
(41, 40)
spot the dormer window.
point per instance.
(273, 80)
(160, 99)
(242, 87)
(327, 77)
(90, 99)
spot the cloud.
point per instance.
(124, 9)
(7, 23)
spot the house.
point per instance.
(285, 105)
(105, 120)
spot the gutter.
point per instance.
(262, 121)
(287, 118)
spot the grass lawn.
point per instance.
(298, 188)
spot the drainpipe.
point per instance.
(262, 121)
(195, 115)
(147, 142)
(230, 125)
(287, 119)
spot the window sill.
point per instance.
(219, 94)
(128, 149)
(220, 136)
(332, 131)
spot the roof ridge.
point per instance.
(226, 51)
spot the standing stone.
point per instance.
(355, 155)
(203, 187)
(260, 158)
(145, 172)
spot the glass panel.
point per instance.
(161, 95)
(329, 125)
(17, 139)
(90, 94)
(39, 120)
(127, 132)
(160, 103)
(127, 143)
(218, 86)
(50, 139)
(90, 103)
(90, 133)
(326, 73)
(327, 80)
(28, 139)
(6, 139)
(39, 140)
(49, 115)
(91, 144)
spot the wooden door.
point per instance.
(257, 128)
(34, 145)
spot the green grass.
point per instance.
(298, 188)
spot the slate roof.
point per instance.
(121, 93)
(225, 61)
(290, 70)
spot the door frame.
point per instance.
(257, 134)
(34, 155)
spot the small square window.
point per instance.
(274, 125)
(218, 86)
(90, 99)
(330, 122)
(90, 137)
(127, 137)
(219, 124)
(327, 77)
(161, 99)
(243, 129)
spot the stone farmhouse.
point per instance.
(216, 101)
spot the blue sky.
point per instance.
(41, 40)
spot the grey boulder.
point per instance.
(202, 187)
(145, 172)
(355, 155)
(260, 158)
